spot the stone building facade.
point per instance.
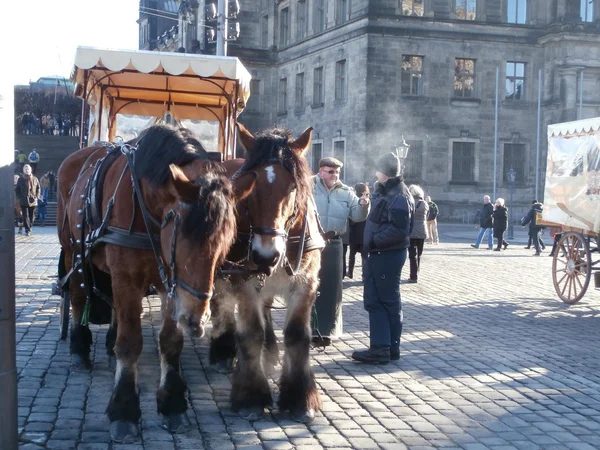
(364, 73)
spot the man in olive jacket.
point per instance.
(386, 239)
(336, 203)
(28, 192)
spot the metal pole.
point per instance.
(580, 113)
(8, 365)
(510, 222)
(222, 27)
(496, 129)
(537, 145)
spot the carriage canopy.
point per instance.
(572, 191)
(128, 90)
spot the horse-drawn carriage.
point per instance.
(572, 203)
(148, 204)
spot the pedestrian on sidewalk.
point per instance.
(336, 203)
(28, 192)
(500, 219)
(386, 240)
(532, 219)
(485, 223)
(432, 215)
(419, 232)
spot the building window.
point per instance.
(317, 154)
(318, 86)
(411, 79)
(340, 80)
(300, 91)
(587, 10)
(414, 162)
(284, 26)
(515, 81)
(302, 19)
(282, 96)
(464, 77)
(514, 157)
(466, 9)
(412, 7)
(341, 11)
(254, 100)
(517, 11)
(264, 32)
(319, 16)
(463, 161)
(339, 152)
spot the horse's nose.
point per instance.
(263, 260)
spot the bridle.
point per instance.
(173, 282)
(170, 283)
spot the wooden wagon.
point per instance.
(572, 203)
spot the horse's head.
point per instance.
(280, 194)
(197, 232)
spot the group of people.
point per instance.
(31, 196)
(493, 221)
(385, 227)
(32, 160)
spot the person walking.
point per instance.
(17, 207)
(22, 159)
(336, 203)
(532, 219)
(41, 210)
(432, 215)
(386, 240)
(419, 231)
(45, 185)
(485, 223)
(357, 231)
(28, 192)
(500, 219)
(34, 159)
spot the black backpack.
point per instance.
(433, 211)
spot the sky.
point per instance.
(50, 31)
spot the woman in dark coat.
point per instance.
(500, 216)
(357, 230)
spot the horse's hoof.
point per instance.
(177, 423)
(303, 415)
(80, 362)
(224, 366)
(253, 413)
(124, 432)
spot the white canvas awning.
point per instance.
(574, 128)
(145, 83)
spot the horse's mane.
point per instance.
(273, 145)
(211, 217)
(161, 145)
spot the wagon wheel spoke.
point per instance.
(562, 293)
(579, 282)
(560, 281)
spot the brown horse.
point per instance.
(168, 220)
(277, 254)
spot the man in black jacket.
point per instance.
(485, 223)
(386, 240)
(534, 227)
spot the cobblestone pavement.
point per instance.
(491, 359)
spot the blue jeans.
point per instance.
(382, 297)
(480, 237)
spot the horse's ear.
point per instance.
(181, 186)
(300, 145)
(248, 141)
(242, 186)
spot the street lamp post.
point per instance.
(402, 153)
(512, 176)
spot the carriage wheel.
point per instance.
(571, 267)
(65, 309)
